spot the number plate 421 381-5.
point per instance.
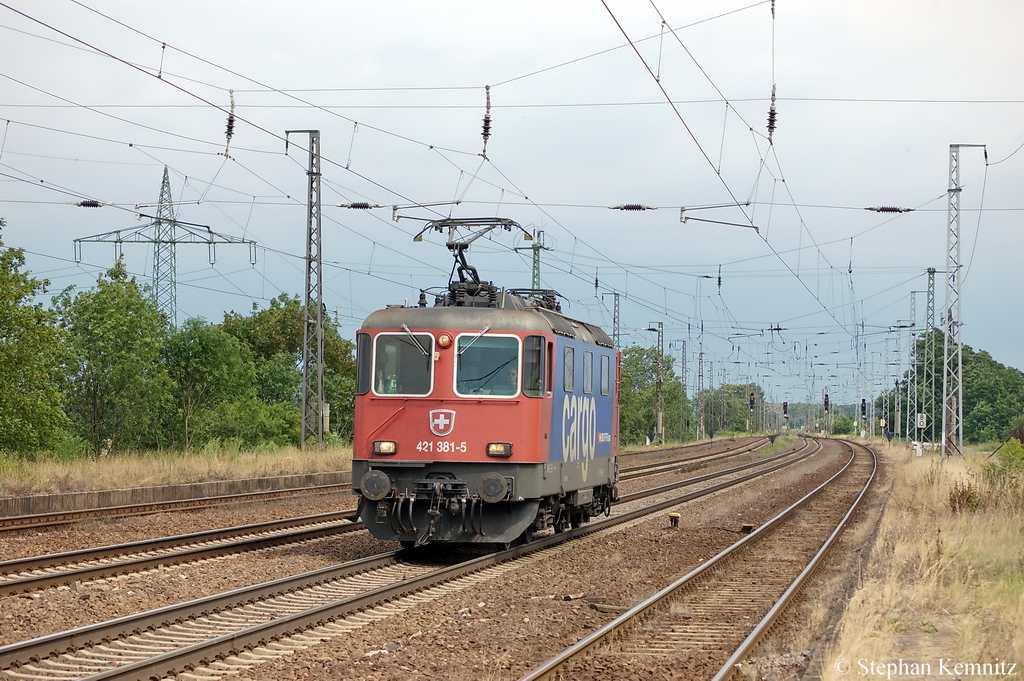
(441, 446)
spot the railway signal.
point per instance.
(826, 403)
(785, 410)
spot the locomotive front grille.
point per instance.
(446, 489)
(454, 489)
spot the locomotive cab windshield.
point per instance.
(487, 365)
(402, 364)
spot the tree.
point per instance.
(278, 378)
(637, 407)
(31, 416)
(275, 337)
(727, 407)
(993, 393)
(115, 386)
(208, 366)
(638, 399)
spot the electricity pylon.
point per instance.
(165, 281)
(165, 233)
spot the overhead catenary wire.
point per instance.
(250, 200)
(710, 162)
(183, 90)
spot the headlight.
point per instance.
(385, 447)
(503, 449)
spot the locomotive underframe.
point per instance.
(479, 502)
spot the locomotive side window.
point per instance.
(605, 374)
(568, 373)
(364, 363)
(402, 364)
(533, 366)
(549, 379)
(487, 365)
(588, 372)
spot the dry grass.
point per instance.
(946, 575)
(47, 476)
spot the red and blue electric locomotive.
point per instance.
(483, 418)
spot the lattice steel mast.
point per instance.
(913, 360)
(952, 348)
(660, 382)
(700, 396)
(929, 357)
(165, 283)
(313, 409)
(165, 233)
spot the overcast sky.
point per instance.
(663, 104)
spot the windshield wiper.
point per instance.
(415, 340)
(466, 346)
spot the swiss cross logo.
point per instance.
(442, 422)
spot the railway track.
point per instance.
(707, 621)
(237, 629)
(60, 518)
(39, 572)
(687, 462)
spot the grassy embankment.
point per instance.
(53, 474)
(945, 578)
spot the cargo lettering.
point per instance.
(579, 430)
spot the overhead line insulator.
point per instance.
(486, 134)
(632, 206)
(230, 130)
(771, 116)
(360, 205)
(889, 209)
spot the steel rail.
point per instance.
(708, 476)
(762, 627)
(194, 546)
(42, 647)
(678, 447)
(201, 653)
(57, 518)
(549, 669)
(669, 465)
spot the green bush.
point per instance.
(71, 447)
(252, 423)
(1004, 477)
(1009, 461)
(843, 425)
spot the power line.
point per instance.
(619, 47)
